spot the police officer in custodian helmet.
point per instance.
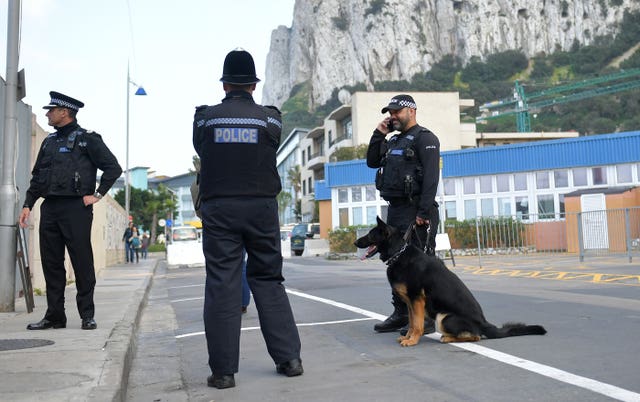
(64, 174)
(236, 141)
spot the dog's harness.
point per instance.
(407, 239)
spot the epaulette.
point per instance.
(274, 108)
(199, 108)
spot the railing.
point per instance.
(583, 234)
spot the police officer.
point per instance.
(64, 174)
(407, 178)
(237, 142)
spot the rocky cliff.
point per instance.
(333, 43)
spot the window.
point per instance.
(561, 203)
(486, 207)
(357, 215)
(356, 194)
(504, 206)
(343, 195)
(343, 217)
(561, 178)
(599, 175)
(371, 215)
(580, 177)
(520, 181)
(623, 174)
(470, 211)
(522, 207)
(450, 210)
(370, 193)
(310, 186)
(348, 128)
(304, 187)
(383, 212)
(502, 180)
(469, 185)
(303, 159)
(545, 206)
(542, 180)
(485, 184)
(449, 186)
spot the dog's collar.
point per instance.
(397, 255)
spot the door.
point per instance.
(594, 221)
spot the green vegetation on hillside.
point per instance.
(493, 78)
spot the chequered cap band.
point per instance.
(404, 103)
(63, 103)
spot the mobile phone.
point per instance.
(390, 125)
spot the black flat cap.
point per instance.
(62, 100)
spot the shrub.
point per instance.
(341, 239)
(156, 247)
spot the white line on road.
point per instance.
(307, 324)
(609, 390)
(596, 386)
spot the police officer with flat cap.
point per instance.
(236, 141)
(408, 166)
(64, 175)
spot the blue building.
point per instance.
(527, 180)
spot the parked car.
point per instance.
(298, 237)
(313, 230)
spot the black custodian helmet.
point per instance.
(239, 68)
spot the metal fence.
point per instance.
(614, 232)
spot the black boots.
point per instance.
(398, 319)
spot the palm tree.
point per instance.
(294, 176)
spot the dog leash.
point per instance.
(413, 228)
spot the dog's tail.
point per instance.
(512, 329)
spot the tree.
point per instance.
(145, 206)
(284, 199)
(294, 176)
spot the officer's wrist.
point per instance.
(97, 195)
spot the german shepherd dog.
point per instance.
(425, 283)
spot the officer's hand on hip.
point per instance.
(421, 221)
(89, 199)
(24, 216)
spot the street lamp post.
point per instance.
(127, 183)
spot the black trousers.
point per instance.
(229, 225)
(401, 214)
(66, 222)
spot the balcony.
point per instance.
(316, 160)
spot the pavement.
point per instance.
(72, 364)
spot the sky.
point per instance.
(175, 50)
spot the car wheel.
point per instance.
(298, 252)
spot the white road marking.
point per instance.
(188, 299)
(200, 285)
(306, 324)
(609, 390)
(605, 389)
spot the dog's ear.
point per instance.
(380, 222)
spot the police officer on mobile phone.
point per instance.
(64, 174)
(408, 166)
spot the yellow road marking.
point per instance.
(620, 279)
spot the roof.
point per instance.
(608, 190)
(596, 150)
(603, 149)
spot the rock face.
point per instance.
(333, 43)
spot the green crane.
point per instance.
(521, 104)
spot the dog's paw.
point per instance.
(409, 342)
(402, 338)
